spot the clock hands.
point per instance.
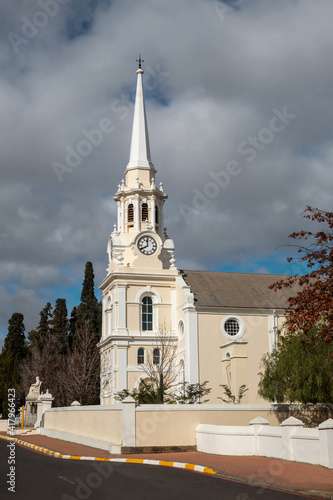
(145, 240)
(147, 245)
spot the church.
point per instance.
(221, 323)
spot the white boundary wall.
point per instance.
(3, 425)
(289, 442)
(111, 427)
(217, 429)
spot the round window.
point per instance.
(233, 327)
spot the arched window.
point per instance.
(130, 213)
(144, 212)
(141, 356)
(156, 215)
(147, 314)
(156, 357)
(182, 372)
(181, 330)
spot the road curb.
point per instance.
(316, 494)
(313, 494)
(145, 461)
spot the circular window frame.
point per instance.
(241, 327)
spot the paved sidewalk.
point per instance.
(310, 480)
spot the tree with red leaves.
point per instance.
(312, 306)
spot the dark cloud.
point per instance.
(214, 73)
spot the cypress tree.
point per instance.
(88, 311)
(72, 326)
(38, 337)
(13, 352)
(60, 326)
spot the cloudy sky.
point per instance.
(239, 103)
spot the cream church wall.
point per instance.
(245, 355)
(257, 336)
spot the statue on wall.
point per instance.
(35, 388)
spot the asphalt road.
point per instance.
(40, 477)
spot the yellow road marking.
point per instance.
(56, 454)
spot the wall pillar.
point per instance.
(44, 403)
(326, 443)
(257, 424)
(289, 426)
(129, 438)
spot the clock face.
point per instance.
(147, 245)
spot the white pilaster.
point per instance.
(122, 348)
(191, 333)
(109, 321)
(121, 307)
(104, 317)
(137, 213)
(112, 375)
(191, 342)
(161, 217)
(173, 310)
(153, 204)
(113, 320)
(119, 216)
(272, 324)
(122, 217)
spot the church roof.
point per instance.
(236, 290)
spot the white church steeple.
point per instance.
(138, 240)
(140, 201)
(140, 150)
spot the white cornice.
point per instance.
(169, 275)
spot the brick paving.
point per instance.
(258, 470)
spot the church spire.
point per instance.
(140, 150)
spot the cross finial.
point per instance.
(140, 61)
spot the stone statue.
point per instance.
(35, 388)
